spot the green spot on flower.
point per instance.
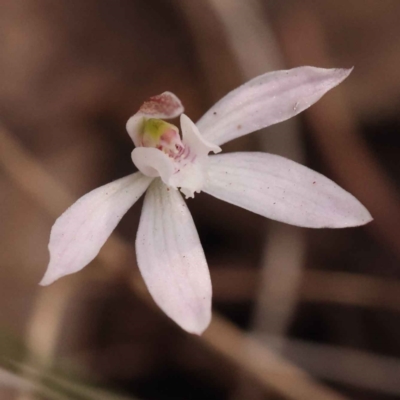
(160, 134)
(155, 128)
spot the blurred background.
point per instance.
(299, 313)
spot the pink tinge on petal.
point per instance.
(171, 259)
(164, 105)
(79, 233)
(280, 189)
(266, 100)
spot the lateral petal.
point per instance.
(78, 235)
(153, 163)
(171, 259)
(267, 100)
(283, 190)
(192, 138)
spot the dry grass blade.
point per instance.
(22, 385)
(270, 369)
(349, 366)
(351, 289)
(80, 390)
(237, 285)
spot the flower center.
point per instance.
(180, 163)
(162, 136)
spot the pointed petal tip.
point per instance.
(343, 73)
(335, 76)
(196, 327)
(199, 331)
(363, 218)
(204, 327)
(47, 280)
(366, 217)
(358, 216)
(52, 273)
(351, 214)
(44, 282)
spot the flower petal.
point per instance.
(188, 175)
(171, 259)
(281, 189)
(79, 233)
(192, 138)
(267, 100)
(191, 169)
(163, 106)
(191, 177)
(153, 162)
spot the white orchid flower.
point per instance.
(169, 252)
